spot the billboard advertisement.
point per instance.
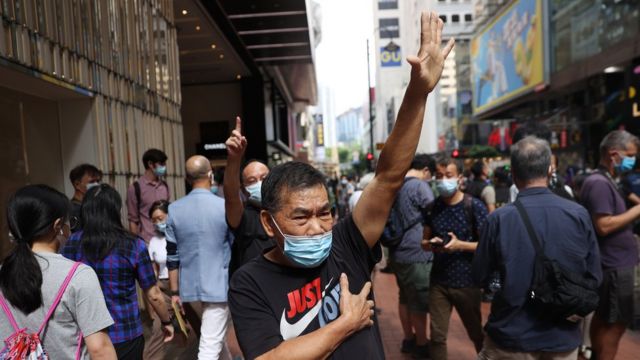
(390, 58)
(508, 55)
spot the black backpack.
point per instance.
(560, 294)
(475, 188)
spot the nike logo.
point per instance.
(290, 331)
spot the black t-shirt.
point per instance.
(271, 303)
(250, 240)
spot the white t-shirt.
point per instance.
(158, 254)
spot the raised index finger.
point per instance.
(238, 124)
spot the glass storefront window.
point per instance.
(582, 28)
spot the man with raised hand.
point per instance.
(309, 297)
(243, 217)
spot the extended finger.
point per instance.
(366, 289)
(344, 284)
(238, 124)
(448, 47)
(424, 33)
(433, 26)
(439, 32)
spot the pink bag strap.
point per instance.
(63, 287)
(79, 348)
(7, 312)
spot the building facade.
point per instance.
(397, 35)
(249, 59)
(455, 85)
(87, 82)
(574, 65)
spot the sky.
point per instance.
(341, 56)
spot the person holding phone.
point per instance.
(451, 231)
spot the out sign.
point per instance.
(390, 58)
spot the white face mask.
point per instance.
(447, 187)
(255, 191)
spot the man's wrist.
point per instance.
(175, 292)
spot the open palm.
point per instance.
(426, 68)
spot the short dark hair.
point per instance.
(421, 161)
(81, 170)
(501, 174)
(159, 205)
(530, 159)
(154, 156)
(532, 128)
(447, 160)
(290, 176)
(477, 168)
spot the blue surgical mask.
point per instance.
(160, 227)
(307, 251)
(627, 164)
(214, 189)
(92, 185)
(447, 187)
(160, 170)
(255, 191)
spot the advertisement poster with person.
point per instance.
(508, 55)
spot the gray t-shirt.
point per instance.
(413, 201)
(82, 307)
(619, 249)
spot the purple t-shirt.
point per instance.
(618, 249)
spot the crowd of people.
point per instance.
(267, 250)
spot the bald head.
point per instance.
(253, 172)
(198, 168)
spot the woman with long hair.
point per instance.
(119, 258)
(71, 314)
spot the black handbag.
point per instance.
(560, 294)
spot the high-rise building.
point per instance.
(397, 35)
(349, 126)
(87, 81)
(455, 83)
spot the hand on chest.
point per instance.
(318, 299)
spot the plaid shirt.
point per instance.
(117, 273)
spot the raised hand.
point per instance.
(356, 309)
(236, 143)
(426, 68)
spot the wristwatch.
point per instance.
(175, 292)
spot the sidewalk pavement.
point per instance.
(459, 345)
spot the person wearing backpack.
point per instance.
(522, 241)
(142, 193)
(56, 301)
(451, 232)
(480, 187)
(410, 264)
(613, 223)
